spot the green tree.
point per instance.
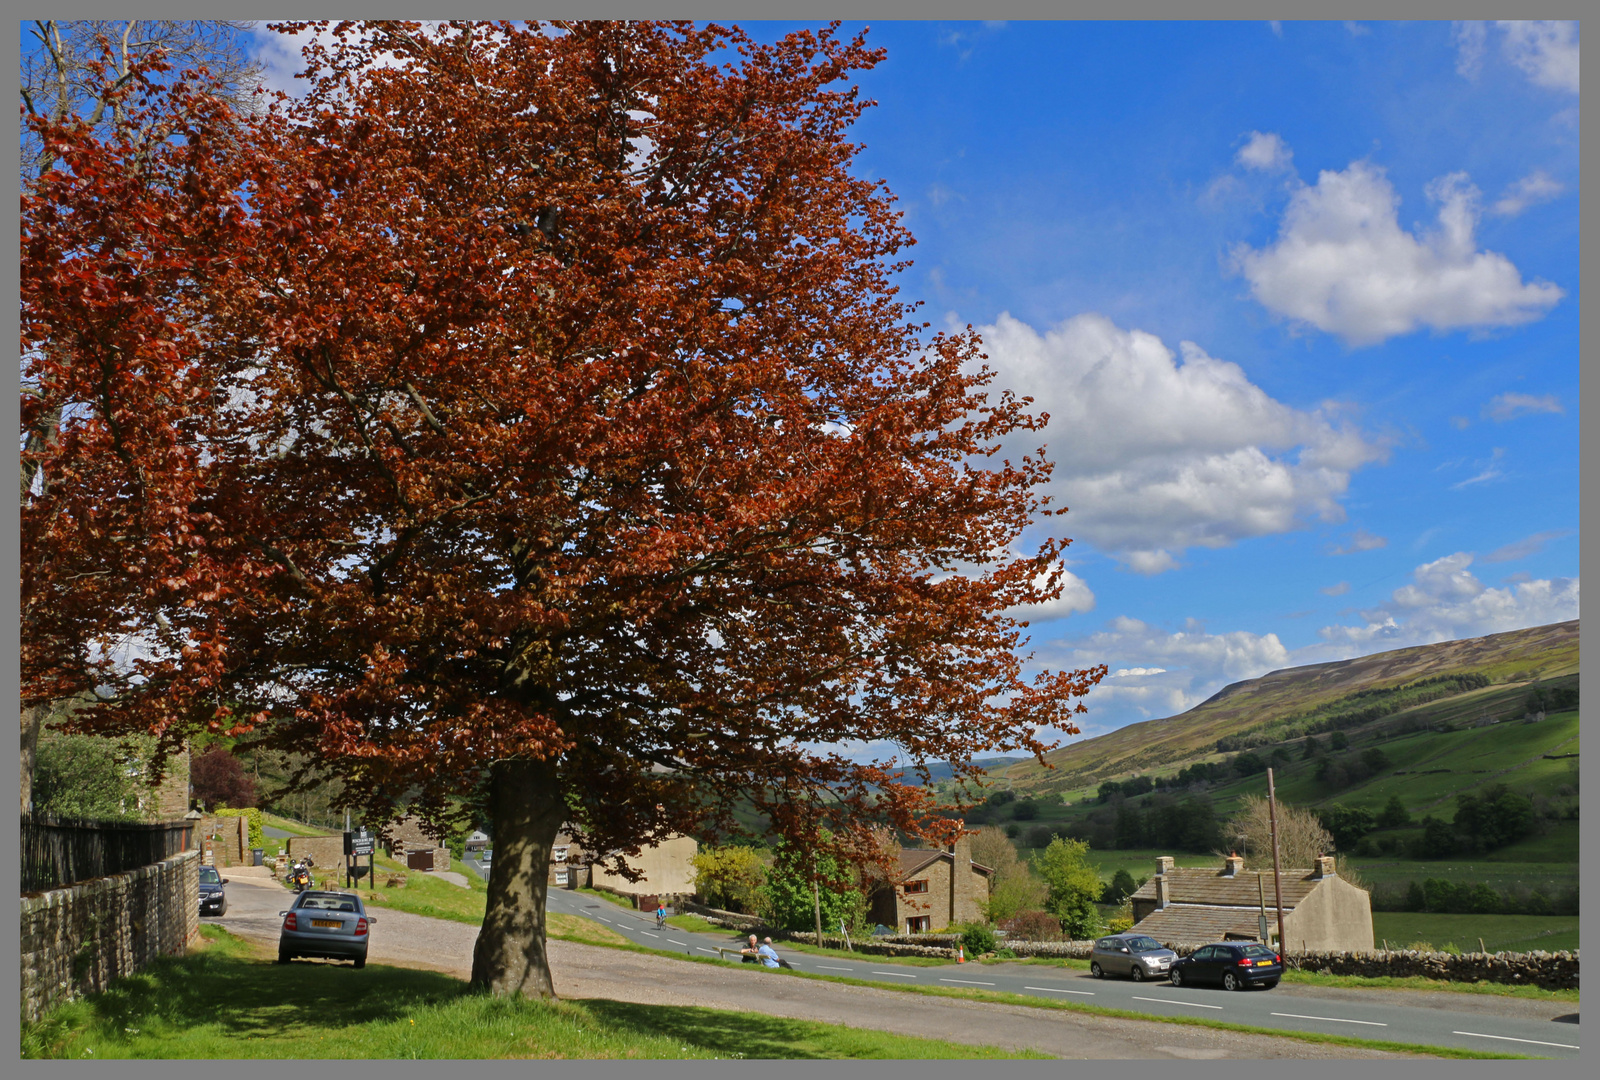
(1339, 741)
(729, 877)
(1012, 886)
(1312, 749)
(1122, 885)
(1073, 885)
(84, 776)
(1394, 814)
(787, 899)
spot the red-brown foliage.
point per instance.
(220, 780)
(1034, 926)
(532, 416)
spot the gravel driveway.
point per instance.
(585, 971)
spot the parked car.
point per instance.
(1233, 964)
(331, 925)
(213, 897)
(1139, 956)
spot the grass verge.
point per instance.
(228, 1000)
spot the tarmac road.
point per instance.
(1478, 1022)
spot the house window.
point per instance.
(561, 876)
(917, 886)
(561, 854)
(917, 924)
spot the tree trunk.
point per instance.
(527, 810)
(32, 721)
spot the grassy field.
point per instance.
(1500, 933)
(228, 1000)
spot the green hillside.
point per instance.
(1284, 706)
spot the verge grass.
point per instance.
(228, 1000)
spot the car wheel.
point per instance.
(284, 956)
(1138, 973)
(1094, 969)
(1230, 981)
(1176, 977)
(361, 962)
(223, 910)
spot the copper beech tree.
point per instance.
(525, 409)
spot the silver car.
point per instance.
(1138, 956)
(331, 925)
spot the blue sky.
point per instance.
(1302, 300)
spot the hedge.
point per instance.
(251, 813)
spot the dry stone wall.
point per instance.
(76, 940)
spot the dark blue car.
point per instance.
(213, 898)
(1233, 965)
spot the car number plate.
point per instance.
(332, 924)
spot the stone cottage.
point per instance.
(1194, 905)
(934, 888)
(668, 873)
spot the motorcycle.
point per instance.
(300, 876)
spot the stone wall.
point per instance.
(76, 940)
(327, 852)
(232, 847)
(1546, 970)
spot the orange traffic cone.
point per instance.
(961, 954)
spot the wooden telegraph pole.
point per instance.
(1277, 877)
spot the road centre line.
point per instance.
(647, 933)
(1332, 1019)
(1053, 990)
(1507, 1038)
(966, 982)
(602, 918)
(702, 948)
(896, 974)
(675, 941)
(830, 967)
(1175, 1001)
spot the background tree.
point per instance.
(729, 877)
(219, 779)
(1301, 837)
(1012, 887)
(526, 411)
(84, 776)
(1394, 814)
(788, 901)
(1074, 887)
(1119, 888)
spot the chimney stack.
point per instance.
(1234, 865)
(1163, 864)
(1162, 893)
(1324, 867)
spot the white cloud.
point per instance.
(1343, 264)
(1336, 590)
(1546, 51)
(1362, 540)
(1535, 188)
(1277, 26)
(1490, 470)
(1470, 38)
(1356, 29)
(1446, 601)
(1510, 405)
(1266, 151)
(1154, 456)
(1075, 596)
(1521, 549)
(1134, 672)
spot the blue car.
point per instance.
(330, 925)
(1233, 965)
(213, 898)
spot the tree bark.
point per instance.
(32, 721)
(527, 810)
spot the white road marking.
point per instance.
(1053, 990)
(830, 967)
(602, 918)
(967, 982)
(896, 974)
(702, 948)
(1175, 1001)
(647, 933)
(675, 941)
(1332, 1019)
(1507, 1038)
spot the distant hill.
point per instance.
(942, 770)
(1283, 703)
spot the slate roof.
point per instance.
(914, 859)
(1195, 923)
(1205, 885)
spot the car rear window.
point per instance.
(1259, 952)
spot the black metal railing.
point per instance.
(64, 851)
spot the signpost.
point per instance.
(358, 843)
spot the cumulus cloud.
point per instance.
(1155, 454)
(1445, 601)
(1537, 187)
(1266, 151)
(1343, 264)
(1545, 50)
(1521, 549)
(1361, 541)
(1162, 673)
(1471, 38)
(1510, 405)
(1075, 596)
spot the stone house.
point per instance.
(569, 863)
(668, 873)
(1193, 905)
(408, 842)
(934, 888)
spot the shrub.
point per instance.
(1120, 924)
(253, 815)
(1013, 830)
(977, 938)
(1034, 926)
(1039, 836)
(1025, 810)
(1004, 954)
